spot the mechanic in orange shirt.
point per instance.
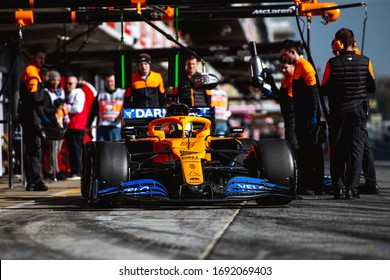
(284, 97)
(147, 89)
(32, 116)
(307, 117)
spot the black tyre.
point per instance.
(273, 160)
(87, 158)
(106, 163)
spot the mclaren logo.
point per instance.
(274, 11)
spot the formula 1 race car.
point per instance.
(180, 161)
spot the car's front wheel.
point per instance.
(105, 164)
(273, 160)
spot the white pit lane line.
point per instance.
(219, 235)
(33, 201)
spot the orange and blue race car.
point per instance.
(179, 160)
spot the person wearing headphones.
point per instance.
(147, 89)
(189, 96)
(370, 185)
(305, 100)
(347, 80)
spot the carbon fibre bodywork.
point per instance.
(179, 160)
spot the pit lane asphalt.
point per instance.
(58, 224)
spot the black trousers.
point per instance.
(347, 138)
(74, 141)
(287, 110)
(368, 165)
(310, 156)
(32, 156)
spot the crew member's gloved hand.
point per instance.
(313, 121)
(267, 76)
(270, 80)
(267, 90)
(45, 121)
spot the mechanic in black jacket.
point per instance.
(347, 80)
(32, 116)
(307, 116)
(189, 96)
(370, 185)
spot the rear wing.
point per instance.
(135, 121)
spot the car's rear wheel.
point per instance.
(273, 160)
(105, 164)
(87, 155)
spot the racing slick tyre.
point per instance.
(273, 160)
(87, 154)
(105, 164)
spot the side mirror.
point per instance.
(204, 81)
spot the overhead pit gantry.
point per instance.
(95, 11)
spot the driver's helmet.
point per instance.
(175, 109)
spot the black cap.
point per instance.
(144, 57)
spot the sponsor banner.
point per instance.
(143, 113)
(154, 113)
(201, 112)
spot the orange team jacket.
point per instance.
(286, 84)
(31, 78)
(304, 87)
(147, 92)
